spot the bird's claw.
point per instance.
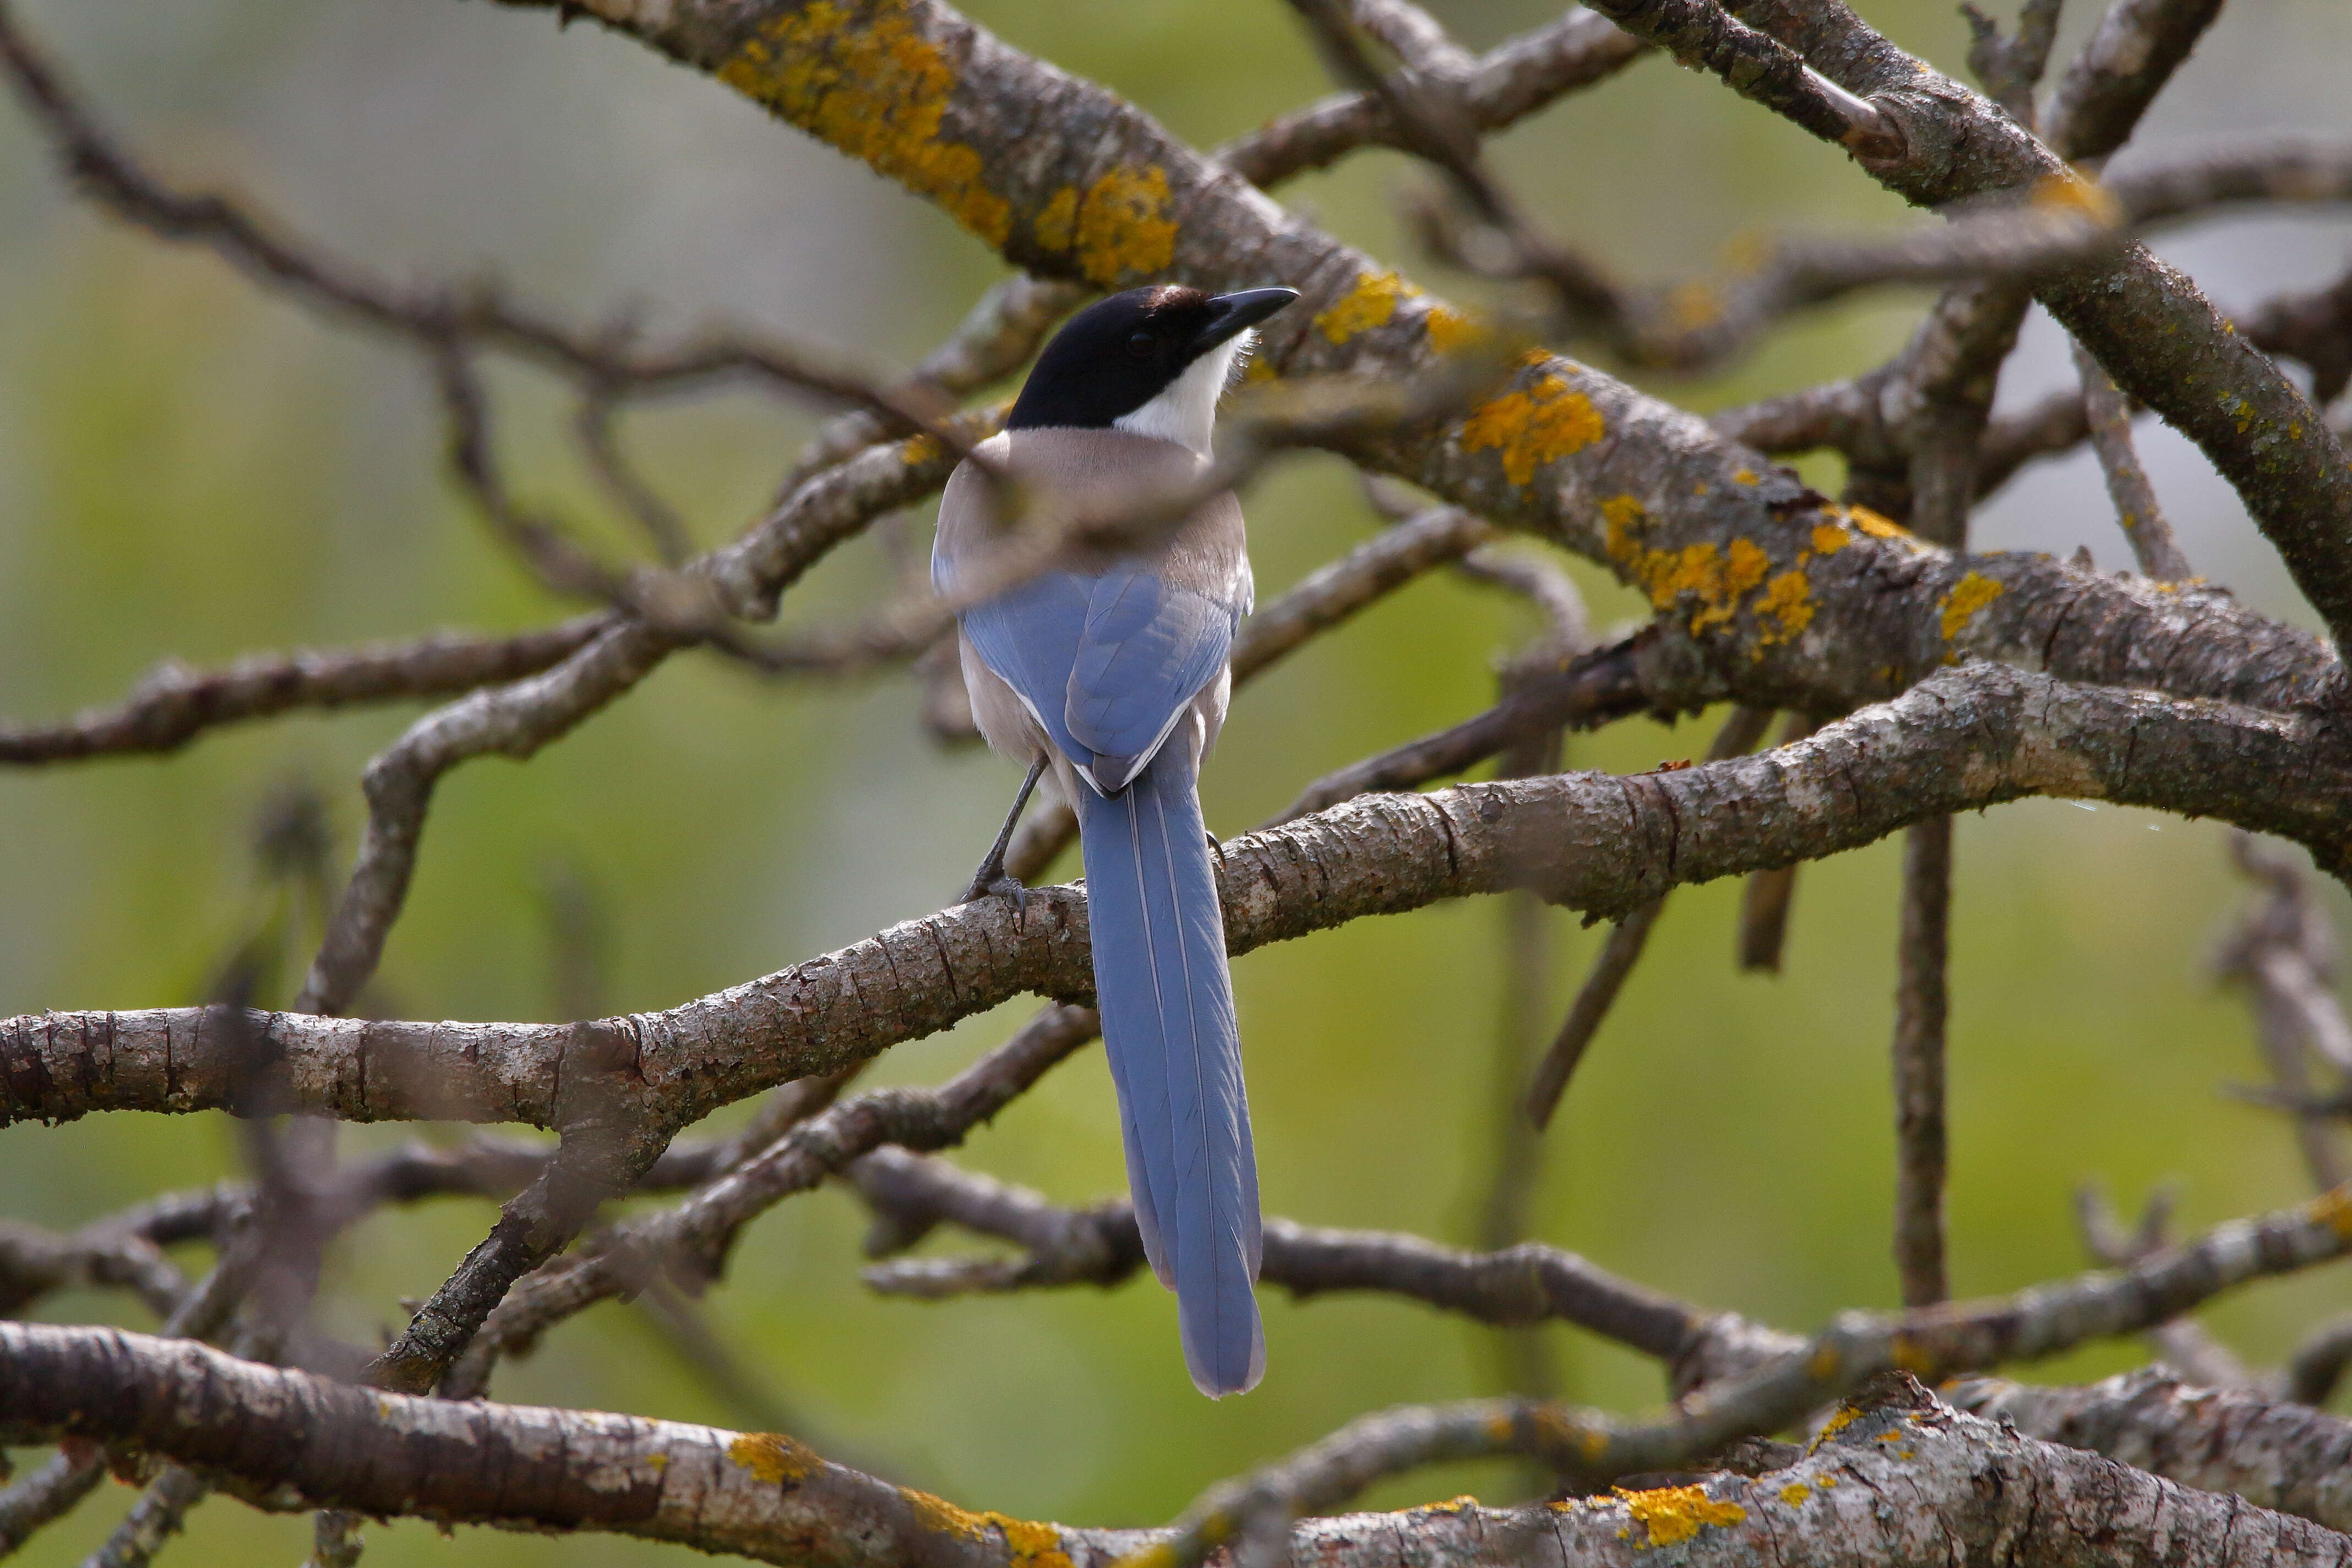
(997, 884)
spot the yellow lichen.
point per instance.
(1823, 1366)
(1795, 1493)
(1370, 304)
(1461, 1504)
(1623, 514)
(1970, 595)
(1717, 580)
(1784, 609)
(658, 1462)
(1878, 525)
(919, 449)
(1499, 1428)
(773, 1457)
(1692, 305)
(866, 79)
(1828, 537)
(1907, 1353)
(1749, 251)
(1675, 1514)
(1033, 1545)
(2332, 1208)
(1844, 1416)
(2070, 192)
(942, 1517)
(1745, 476)
(1057, 223)
(1123, 227)
(1744, 567)
(1451, 331)
(1547, 421)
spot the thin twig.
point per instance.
(2283, 952)
(2107, 413)
(1920, 1006)
(1584, 693)
(170, 704)
(1739, 736)
(2183, 1341)
(261, 247)
(1764, 898)
(696, 1236)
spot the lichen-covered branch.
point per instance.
(2145, 321)
(2230, 1441)
(282, 1438)
(1778, 591)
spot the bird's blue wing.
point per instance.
(1148, 647)
(1029, 637)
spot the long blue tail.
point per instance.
(1167, 1003)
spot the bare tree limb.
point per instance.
(171, 705)
(1584, 693)
(2317, 1366)
(2283, 953)
(517, 720)
(2313, 328)
(1920, 1003)
(1969, 737)
(1773, 1377)
(260, 247)
(695, 1237)
(1510, 82)
(2183, 1342)
(1740, 735)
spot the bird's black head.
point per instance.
(1118, 354)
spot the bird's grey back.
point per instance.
(1099, 468)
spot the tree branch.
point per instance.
(2144, 321)
(285, 1438)
(1968, 738)
(172, 704)
(2219, 1440)
(1775, 614)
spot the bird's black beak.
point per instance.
(1233, 313)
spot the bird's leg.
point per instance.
(990, 878)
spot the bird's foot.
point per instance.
(993, 882)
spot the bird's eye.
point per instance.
(1141, 343)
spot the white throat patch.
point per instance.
(1185, 412)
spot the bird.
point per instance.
(1113, 677)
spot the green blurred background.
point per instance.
(192, 468)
